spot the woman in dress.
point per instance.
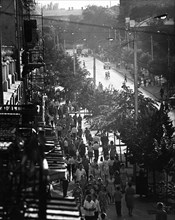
(103, 199)
(90, 151)
(111, 188)
(106, 169)
(97, 172)
(129, 198)
(124, 177)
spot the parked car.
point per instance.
(107, 66)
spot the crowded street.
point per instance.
(144, 208)
(87, 110)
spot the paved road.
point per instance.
(116, 79)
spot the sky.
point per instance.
(77, 4)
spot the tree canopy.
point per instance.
(148, 140)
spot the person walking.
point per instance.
(112, 148)
(77, 193)
(118, 198)
(129, 198)
(65, 185)
(106, 168)
(90, 151)
(80, 132)
(124, 177)
(79, 172)
(103, 199)
(82, 148)
(79, 119)
(87, 133)
(110, 188)
(97, 172)
(96, 147)
(85, 163)
(97, 207)
(89, 208)
(75, 119)
(74, 133)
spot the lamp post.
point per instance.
(94, 69)
(73, 54)
(135, 77)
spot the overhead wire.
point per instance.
(99, 25)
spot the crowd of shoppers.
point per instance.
(99, 178)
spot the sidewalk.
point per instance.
(143, 210)
(152, 90)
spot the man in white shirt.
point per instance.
(89, 208)
(79, 173)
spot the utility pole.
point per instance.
(94, 70)
(135, 77)
(152, 49)
(74, 59)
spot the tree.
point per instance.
(94, 16)
(64, 71)
(158, 67)
(148, 140)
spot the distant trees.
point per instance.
(94, 16)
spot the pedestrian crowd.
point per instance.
(99, 179)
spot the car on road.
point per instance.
(107, 66)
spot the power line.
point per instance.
(98, 25)
(108, 27)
